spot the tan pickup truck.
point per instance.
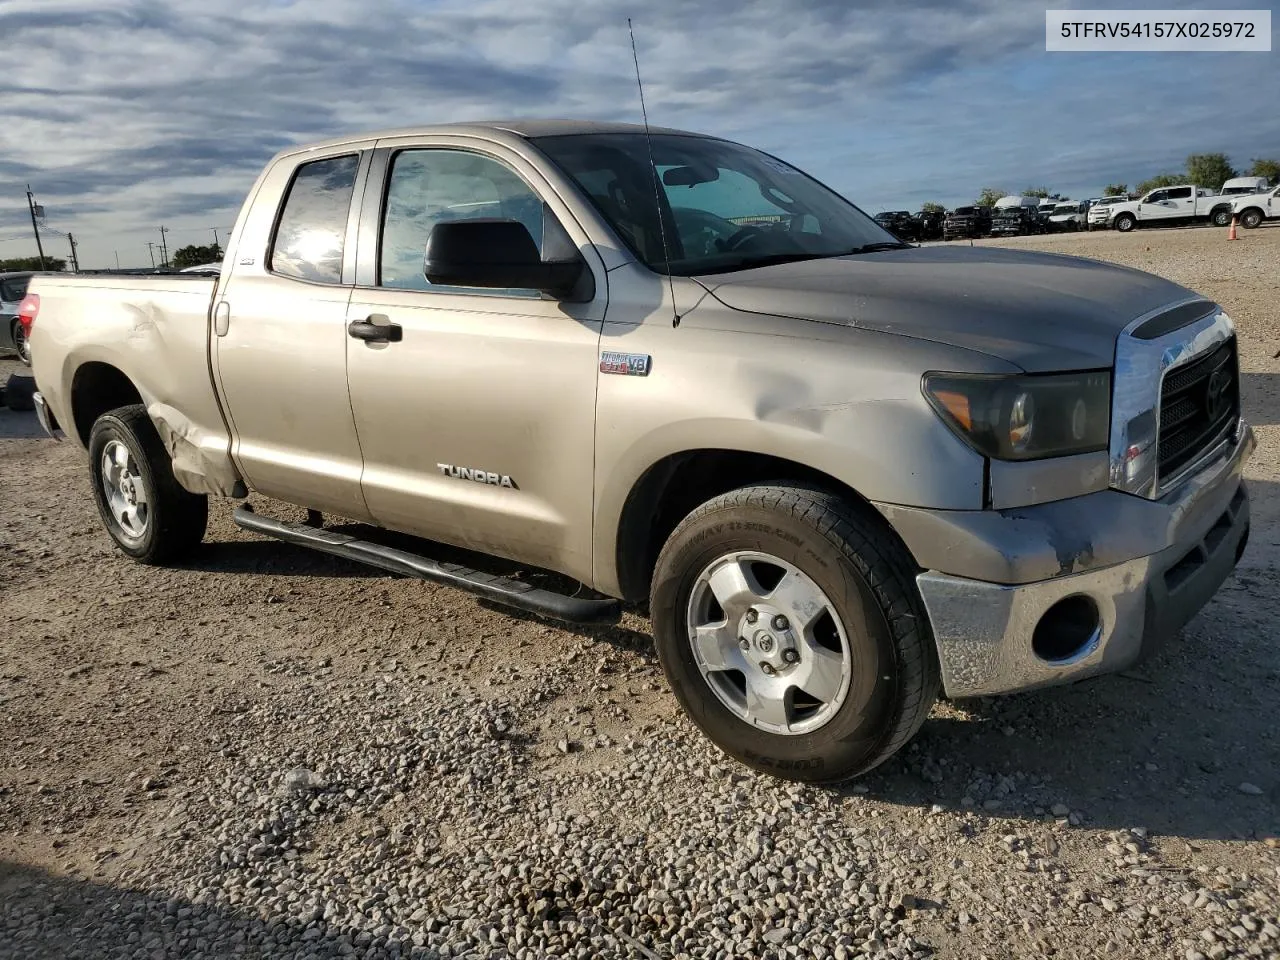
(841, 471)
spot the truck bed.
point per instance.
(153, 329)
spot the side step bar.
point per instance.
(502, 590)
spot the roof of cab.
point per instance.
(490, 129)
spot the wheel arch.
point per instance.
(97, 387)
(1252, 208)
(670, 489)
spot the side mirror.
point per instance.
(495, 254)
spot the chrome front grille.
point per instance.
(1176, 396)
(1199, 403)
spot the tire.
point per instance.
(1251, 219)
(1125, 222)
(18, 392)
(874, 619)
(20, 344)
(168, 522)
(1221, 217)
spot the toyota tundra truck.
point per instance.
(841, 474)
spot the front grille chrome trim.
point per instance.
(1140, 369)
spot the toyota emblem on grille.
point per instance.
(1215, 394)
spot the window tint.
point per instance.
(427, 187)
(1180, 193)
(313, 226)
(13, 289)
(1158, 196)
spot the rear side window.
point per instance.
(313, 224)
(13, 289)
(1180, 193)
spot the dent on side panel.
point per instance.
(163, 350)
(841, 401)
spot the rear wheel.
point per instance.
(20, 344)
(147, 512)
(1126, 222)
(789, 626)
(1221, 216)
(1250, 219)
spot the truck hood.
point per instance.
(1040, 311)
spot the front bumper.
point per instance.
(1188, 544)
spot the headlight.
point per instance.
(1025, 417)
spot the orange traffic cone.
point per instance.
(1231, 234)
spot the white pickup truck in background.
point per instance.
(1168, 206)
(1256, 207)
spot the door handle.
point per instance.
(375, 329)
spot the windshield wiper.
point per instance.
(875, 247)
(768, 260)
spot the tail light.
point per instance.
(27, 311)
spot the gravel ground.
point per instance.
(276, 753)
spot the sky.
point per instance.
(132, 114)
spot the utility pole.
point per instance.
(75, 261)
(151, 249)
(164, 249)
(117, 253)
(216, 242)
(33, 206)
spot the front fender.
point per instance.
(841, 401)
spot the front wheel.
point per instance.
(148, 514)
(1221, 217)
(1126, 222)
(789, 626)
(1250, 219)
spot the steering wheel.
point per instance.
(741, 237)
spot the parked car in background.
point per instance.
(13, 289)
(966, 223)
(1044, 210)
(1256, 207)
(1016, 216)
(930, 224)
(1096, 217)
(1068, 215)
(900, 223)
(844, 472)
(1169, 206)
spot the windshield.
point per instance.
(962, 212)
(724, 206)
(1227, 191)
(1065, 208)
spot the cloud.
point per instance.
(127, 116)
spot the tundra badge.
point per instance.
(477, 476)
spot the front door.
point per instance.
(280, 344)
(477, 423)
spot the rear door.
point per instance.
(478, 424)
(280, 340)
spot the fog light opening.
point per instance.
(1067, 629)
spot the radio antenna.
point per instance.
(657, 190)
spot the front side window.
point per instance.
(1158, 196)
(313, 225)
(722, 206)
(427, 187)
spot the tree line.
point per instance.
(1210, 170)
